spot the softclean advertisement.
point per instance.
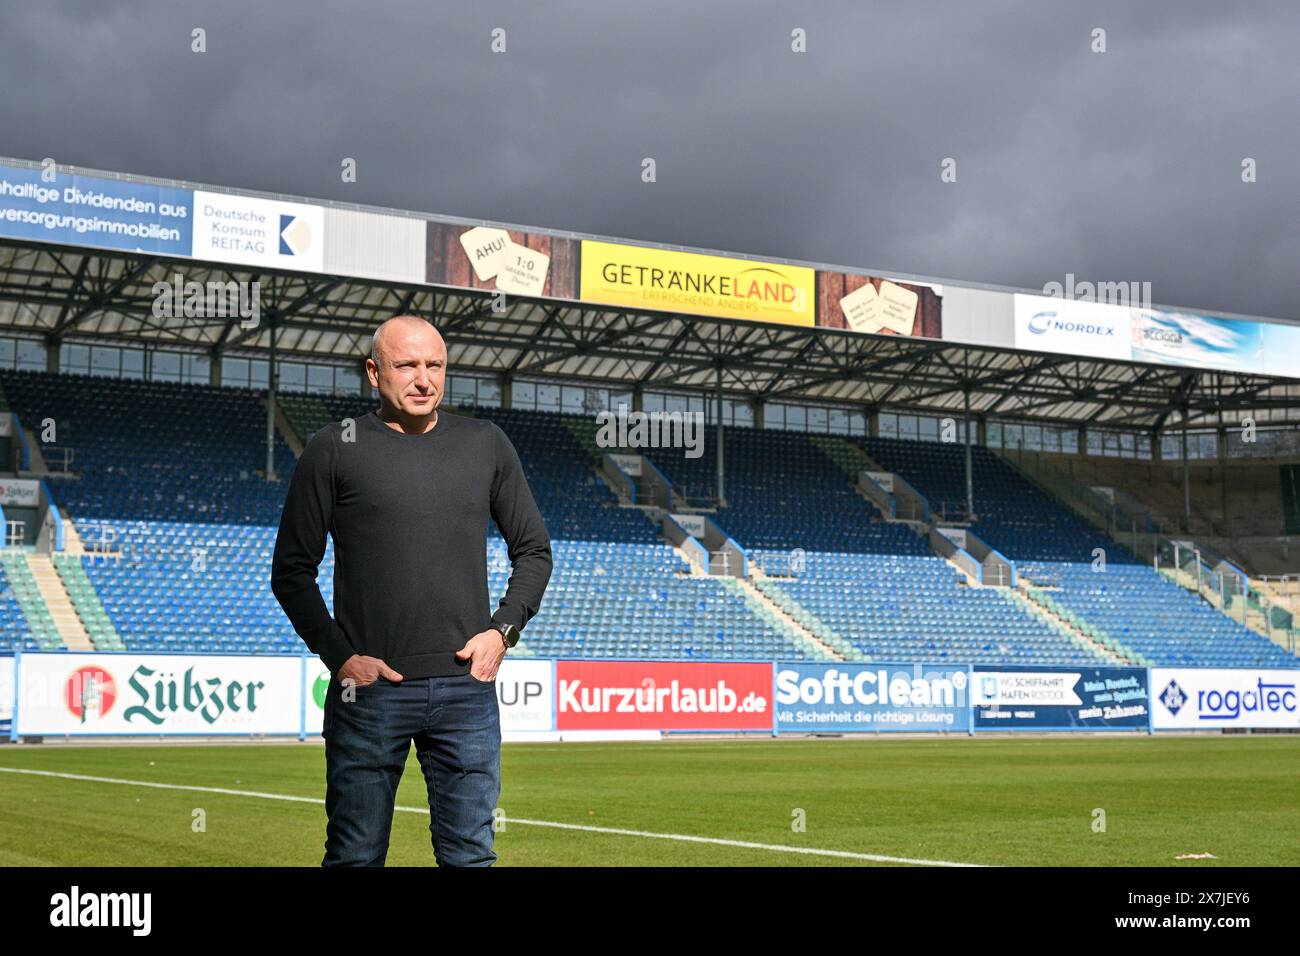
(871, 697)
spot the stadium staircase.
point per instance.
(765, 608)
(1238, 508)
(285, 427)
(89, 609)
(783, 617)
(57, 603)
(899, 503)
(33, 628)
(866, 587)
(584, 431)
(1039, 603)
(813, 629)
(304, 415)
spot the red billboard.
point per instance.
(635, 695)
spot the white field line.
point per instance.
(645, 834)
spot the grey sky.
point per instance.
(1117, 166)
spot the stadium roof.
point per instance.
(80, 294)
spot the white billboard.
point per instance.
(6, 689)
(313, 702)
(374, 246)
(1073, 327)
(628, 464)
(159, 694)
(524, 693)
(20, 491)
(1026, 689)
(272, 233)
(692, 524)
(1188, 699)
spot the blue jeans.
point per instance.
(456, 725)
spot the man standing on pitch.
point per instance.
(406, 491)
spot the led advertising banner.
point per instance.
(509, 261)
(871, 697)
(251, 231)
(1060, 698)
(1070, 327)
(1183, 339)
(640, 695)
(22, 492)
(1184, 698)
(878, 306)
(266, 232)
(639, 277)
(6, 689)
(525, 693)
(1198, 341)
(90, 211)
(177, 694)
(140, 217)
(159, 694)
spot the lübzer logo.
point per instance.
(89, 693)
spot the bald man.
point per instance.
(406, 491)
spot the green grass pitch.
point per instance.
(999, 801)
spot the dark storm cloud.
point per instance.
(1116, 166)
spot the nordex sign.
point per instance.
(1072, 327)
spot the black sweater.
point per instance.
(409, 517)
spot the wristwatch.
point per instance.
(509, 633)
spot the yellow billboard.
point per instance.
(640, 278)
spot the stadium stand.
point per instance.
(1129, 602)
(910, 607)
(159, 451)
(166, 490)
(876, 584)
